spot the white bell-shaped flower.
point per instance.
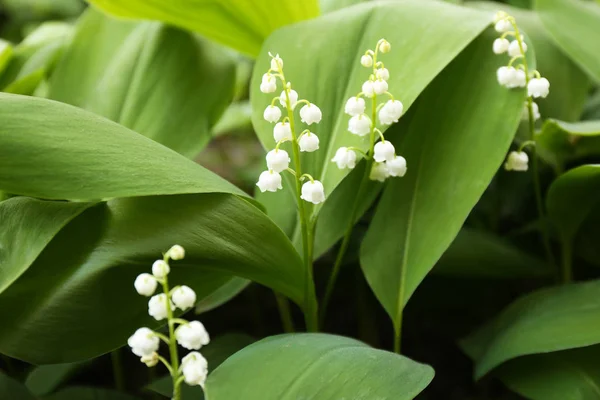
(145, 284)
(278, 160)
(310, 114)
(293, 98)
(366, 61)
(379, 172)
(160, 269)
(515, 50)
(538, 87)
(517, 161)
(282, 131)
(385, 46)
(308, 142)
(382, 73)
(268, 84)
(536, 111)
(500, 45)
(345, 158)
(380, 86)
(276, 63)
(269, 181)
(183, 297)
(195, 369)
(360, 125)
(391, 112)
(384, 151)
(396, 166)
(520, 79)
(506, 75)
(355, 106)
(192, 336)
(503, 25)
(150, 360)
(176, 252)
(313, 192)
(157, 306)
(143, 342)
(272, 114)
(368, 89)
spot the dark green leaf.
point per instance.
(559, 141)
(222, 295)
(12, 389)
(45, 379)
(89, 393)
(311, 366)
(452, 153)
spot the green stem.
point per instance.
(310, 308)
(283, 306)
(398, 335)
(172, 344)
(117, 367)
(566, 275)
(534, 159)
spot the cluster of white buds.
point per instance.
(278, 160)
(191, 335)
(518, 76)
(386, 162)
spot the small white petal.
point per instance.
(344, 158)
(157, 306)
(160, 269)
(503, 25)
(309, 142)
(150, 360)
(282, 131)
(500, 46)
(268, 84)
(360, 125)
(355, 106)
(310, 114)
(384, 151)
(385, 46)
(379, 172)
(195, 369)
(278, 160)
(293, 98)
(276, 63)
(192, 336)
(396, 166)
(269, 181)
(368, 89)
(515, 50)
(272, 114)
(382, 73)
(176, 252)
(538, 87)
(143, 342)
(366, 61)
(184, 297)
(516, 161)
(145, 284)
(313, 192)
(391, 112)
(380, 86)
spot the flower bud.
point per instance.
(382, 73)
(160, 269)
(150, 360)
(516, 161)
(360, 125)
(183, 297)
(278, 160)
(268, 84)
(176, 252)
(366, 61)
(277, 63)
(269, 181)
(272, 114)
(344, 158)
(384, 151)
(385, 46)
(313, 192)
(309, 142)
(355, 106)
(500, 46)
(145, 284)
(535, 109)
(503, 25)
(310, 114)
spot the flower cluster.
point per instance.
(518, 76)
(386, 162)
(278, 160)
(191, 335)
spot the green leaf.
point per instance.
(560, 142)
(547, 320)
(310, 366)
(89, 393)
(12, 389)
(452, 153)
(573, 25)
(28, 225)
(572, 196)
(45, 379)
(6, 53)
(239, 24)
(222, 295)
(476, 253)
(215, 353)
(124, 71)
(329, 75)
(80, 289)
(570, 84)
(570, 374)
(56, 151)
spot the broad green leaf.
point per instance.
(80, 289)
(236, 117)
(45, 379)
(28, 225)
(559, 141)
(89, 393)
(126, 71)
(552, 319)
(222, 295)
(6, 52)
(239, 24)
(12, 389)
(311, 366)
(572, 196)
(573, 24)
(586, 241)
(42, 10)
(560, 375)
(476, 253)
(329, 75)
(56, 151)
(457, 138)
(216, 352)
(569, 83)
